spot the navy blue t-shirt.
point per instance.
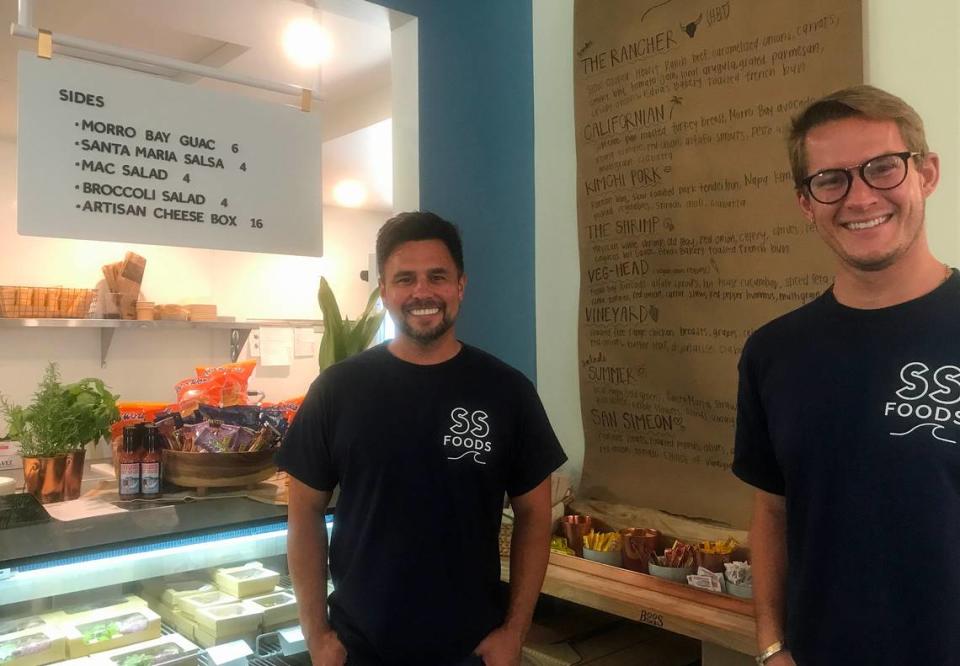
(854, 416)
(423, 455)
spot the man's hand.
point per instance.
(501, 647)
(327, 650)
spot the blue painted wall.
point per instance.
(476, 159)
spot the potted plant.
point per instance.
(54, 429)
(343, 337)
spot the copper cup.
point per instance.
(73, 475)
(638, 543)
(712, 561)
(574, 529)
(31, 476)
(51, 478)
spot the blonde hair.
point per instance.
(861, 101)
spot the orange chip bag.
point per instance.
(233, 380)
(132, 413)
(191, 393)
(289, 407)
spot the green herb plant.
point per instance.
(61, 418)
(342, 337)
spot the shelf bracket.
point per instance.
(238, 338)
(106, 337)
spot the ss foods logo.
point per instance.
(929, 395)
(467, 435)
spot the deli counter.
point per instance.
(201, 581)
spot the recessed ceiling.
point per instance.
(242, 37)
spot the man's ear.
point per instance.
(461, 284)
(806, 206)
(929, 171)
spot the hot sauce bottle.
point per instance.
(150, 464)
(130, 464)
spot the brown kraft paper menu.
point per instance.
(690, 236)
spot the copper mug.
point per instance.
(638, 544)
(574, 529)
(43, 477)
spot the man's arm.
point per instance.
(307, 559)
(529, 553)
(768, 549)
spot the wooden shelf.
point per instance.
(715, 618)
(239, 330)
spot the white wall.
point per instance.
(144, 365)
(911, 49)
(557, 274)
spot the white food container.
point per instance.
(247, 581)
(230, 620)
(277, 607)
(191, 603)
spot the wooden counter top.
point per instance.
(715, 618)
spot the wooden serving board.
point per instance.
(716, 618)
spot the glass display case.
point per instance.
(181, 583)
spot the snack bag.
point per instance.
(192, 392)
(234, 378)
(213, 436)
(131, 413)
(288, 408)
(247, 416)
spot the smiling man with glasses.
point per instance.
(848, 420)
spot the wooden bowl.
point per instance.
(217, 470)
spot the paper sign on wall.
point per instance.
(276, 346)
(690, 236)
(109, 154)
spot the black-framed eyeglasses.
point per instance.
(883, 172)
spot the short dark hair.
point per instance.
(416, 226)
(860, 101)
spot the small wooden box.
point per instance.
(208, 640)
(185, 625)
(35, 646)
(170, 592)
(109, 629)
(190, 604)
(78, 613)
(246, 581)
(230, 620)
(169, 650)
(278, 607)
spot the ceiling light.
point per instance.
(306, 43)
(350, 193)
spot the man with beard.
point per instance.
(423, 435)
(847, 418)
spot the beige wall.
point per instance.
(911, 50)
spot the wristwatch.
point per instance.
(771, 651)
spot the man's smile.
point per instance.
(866, 224)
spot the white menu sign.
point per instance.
(109, 154)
